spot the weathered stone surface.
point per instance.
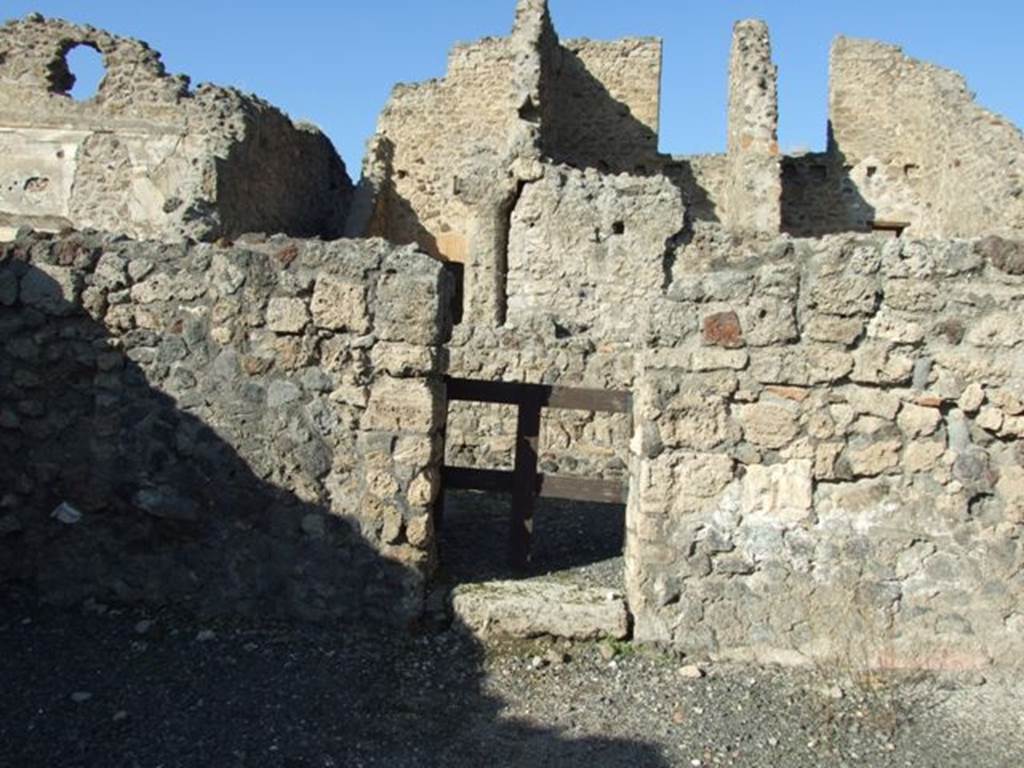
(340, 305)
(723, 330)
(771, 425)
(286, 315)
(524, 609)
(1005, 255)
(147, 156)
(217, 463)
(780, 494)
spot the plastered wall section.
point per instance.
(913, 141)
(250, 430)
(146, 156)
(827, 464)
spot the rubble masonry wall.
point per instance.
(827, 462)
(254, 429)
(146, 156)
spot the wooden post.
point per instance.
(524, 482)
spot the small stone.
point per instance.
(972, 398)
(80, 697)
(120, 716)
(691, 672)
(723, 330)
(206, 636)
(678, 716)
(66, 514)
(287, 315)
(143, 626)
(556, 658)
(606, 651)
(537, 663)
(9, 525)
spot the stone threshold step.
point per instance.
(535, 608)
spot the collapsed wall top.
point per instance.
(146, 156)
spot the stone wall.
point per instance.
(146, 156)
(910, 149)
(753, 194)
(603, 104)
(451, 157)
(253, 429)
(583, 245)
(536, 352)
(828, 463)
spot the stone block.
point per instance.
(399, 308)
(340, 305)
(767, 424)
(723, 330)
(287, 315)
(780, 494)
(527, 609)
(404, 405)
(52, 290)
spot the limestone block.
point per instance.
(340, 305)
(923, 456)
(1011, 489)
(839, 330)
(399, 304)
(403, 360)
(287, 315)
(999, 329)
(404, 405)
(767, 424)
(844, 295)
(888, 326)
(873, 458)
(50, 289)
(916, 421)
(973, 398)
(780, 494)
(880, 363)
(697, 422)
(704, 475)
(525, 609)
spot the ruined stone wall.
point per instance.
(603, 104)
(828, 463)
(753, 193)
(583, 246)
(912, 147)
(146, 156)
(253, 429)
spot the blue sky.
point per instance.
(334, 63)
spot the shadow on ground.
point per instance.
(92, 686)
(576, 540)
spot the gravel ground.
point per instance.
(573, 541)
(106, 687)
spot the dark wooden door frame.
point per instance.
(524, 482)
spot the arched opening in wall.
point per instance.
(81, 72)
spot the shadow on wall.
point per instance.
(819, 196)
(173, 515)
(589, 128)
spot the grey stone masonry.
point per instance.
(147, 156)
(250, 429)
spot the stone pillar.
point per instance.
(754, 190)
